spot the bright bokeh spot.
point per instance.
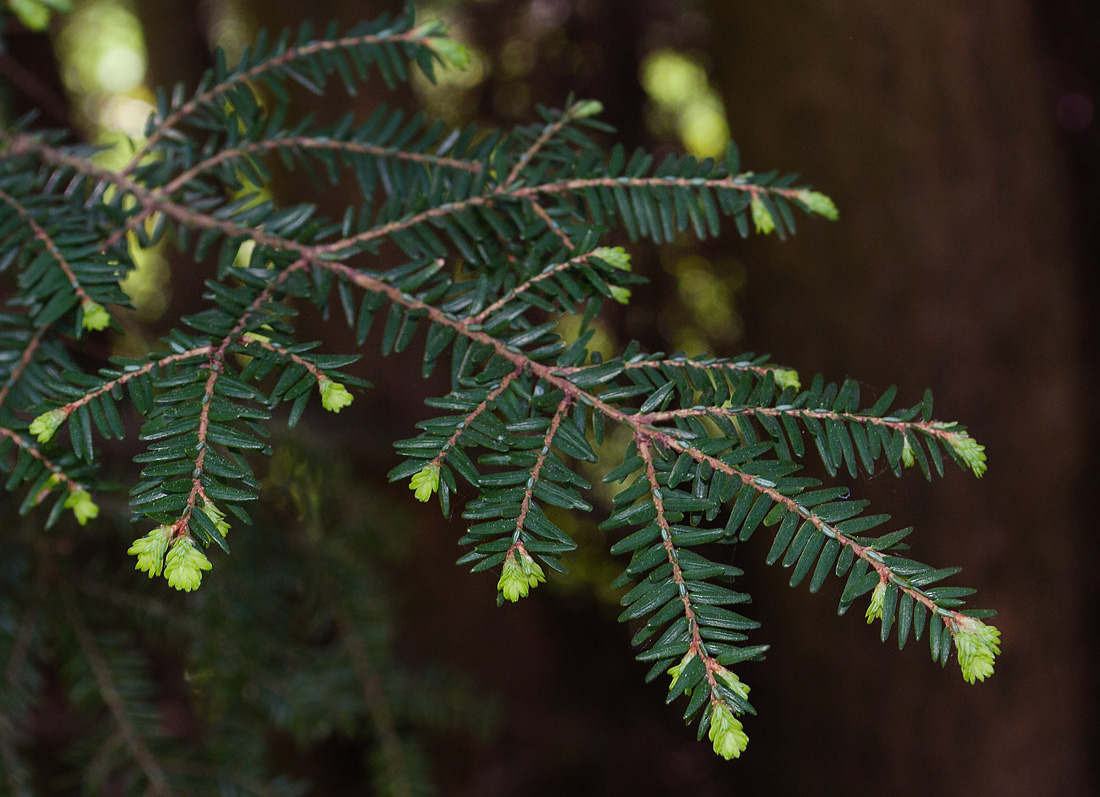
(677, 85)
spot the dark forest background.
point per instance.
(961, 143)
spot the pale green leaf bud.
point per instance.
(519, 576)
(217, 517)
(46, 424)
(614, 256)
(978, 645)
(96, 316)
(874, 610)
(726, 732)
(736, 685)
(676, 669)
(761, 217)
(82, 505)
(970, 450)
(620, 294)
(425, 482)
(786, 377)
(184, 565)
(818, 203)
(150, 550)
(334, 396)
(907, 458)
(587, 108)
(452, 52)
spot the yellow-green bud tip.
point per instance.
(614, 256)
(726, 732)
(969, 450)
(676, 669)
(874, 610)
(217, 517)
(425, 482)
(587, 108)
(786, 377)
(82, 505)
(761, 217)
(96, 316)
(519, 576)
(907, 457)
(46, 424)
(816, 202)
(620, 294)
(334, 396)
(150, 550)
(739, 687)
(978, 645)
(452, 52)
(184, 565)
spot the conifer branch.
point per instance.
(170, 122)
(529, 488)
(48, 244)
(377, 703)
(116, 705)
(486, 404)
(547, 273)
(25, 360)
(56, 470)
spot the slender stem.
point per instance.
(122, 379)
(541, 212)
(24, 361)
(548, 132)
(468, 420)
(56, 470)
(529, 491)
(47, 241)
(527, 285)
(933, 428)
(266, 65)
(697, 646)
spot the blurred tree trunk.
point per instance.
(950, 268)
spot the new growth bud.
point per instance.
(217, 517)
(907, 458)
(761, 217)
(82, 505)
(874, 610)
(726, 732)
(184, 565)
(425, 482)
(150, 550)
(818, 203)
(96, 316)
(614, 256)
(452, 52)
(620, 294)
(587, 108)
(970, 451)
(521, 574)
(676, 669)
(786, 377)
(978, 644)
(46, 424)
(334, 396)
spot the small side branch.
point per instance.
(109, 691)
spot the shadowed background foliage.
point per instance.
(960, 142)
